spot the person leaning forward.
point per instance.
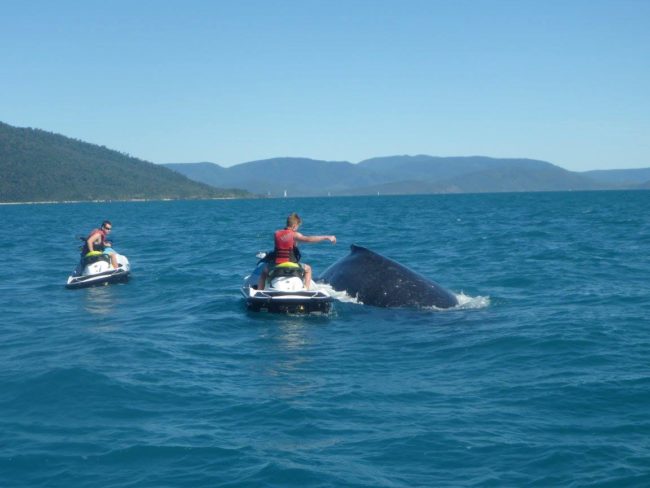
(285, 242)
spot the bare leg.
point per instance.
(307, 269)
(114, 260)
(261, 283)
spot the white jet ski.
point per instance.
(95, 269)
(284, 292)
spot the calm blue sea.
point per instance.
(540, 378)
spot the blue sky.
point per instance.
(184, 81)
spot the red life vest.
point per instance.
(284, 243)
(97, 247)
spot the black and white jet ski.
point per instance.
(284, 292)
(95, 269)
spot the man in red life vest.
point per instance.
(96, 241)
(285, 242)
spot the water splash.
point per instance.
(341, 296)
(466, 302)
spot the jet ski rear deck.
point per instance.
(305, 301)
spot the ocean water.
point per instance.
(540, 378)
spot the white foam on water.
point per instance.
(341, 296)
(467, 302)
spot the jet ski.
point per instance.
(284, 291)
(95, 269)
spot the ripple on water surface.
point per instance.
(538, 377)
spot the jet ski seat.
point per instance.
(94, 256)
(286, 270)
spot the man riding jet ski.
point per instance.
(99, 264)
(280, 283)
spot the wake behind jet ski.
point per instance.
(284, 290)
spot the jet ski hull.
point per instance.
(99, 279)
(297, 302)
(99, 273)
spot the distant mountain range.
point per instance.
(621, 177)
(37, 166)
(407, 175)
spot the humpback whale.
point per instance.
(380, 281)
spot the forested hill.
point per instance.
(391, 175)
(37, 166)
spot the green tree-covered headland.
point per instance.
(39, 166)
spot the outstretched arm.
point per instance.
(300, 238)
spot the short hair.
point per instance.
(293, 219)
(105, 223)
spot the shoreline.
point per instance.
(262, 197)
(50, 202)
